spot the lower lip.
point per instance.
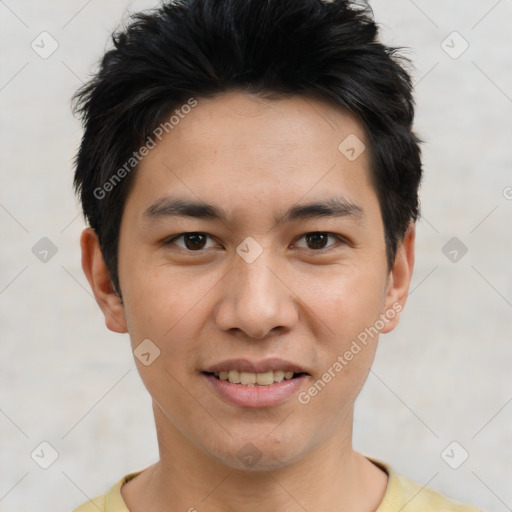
(257, 396)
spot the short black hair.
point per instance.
(188, 49)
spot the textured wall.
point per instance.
(444, 375)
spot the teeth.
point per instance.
(247, 378)
(233, 376)
(252, 379)
(279, 376)
(264, 379)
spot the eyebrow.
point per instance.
(179, 207)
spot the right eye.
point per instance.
(193, 241)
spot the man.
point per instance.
(250, 176)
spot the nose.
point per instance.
(256, 299)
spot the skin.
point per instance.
(254, 158)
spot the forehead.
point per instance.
(236, 147)
(238, 122)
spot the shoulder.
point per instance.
(409, 496)
(112, 501)
(93, 505)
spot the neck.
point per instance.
(332, 476)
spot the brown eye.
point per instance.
(318, 240)
(194, 241)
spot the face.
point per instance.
(251, 244)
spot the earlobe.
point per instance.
(400, 279)
(98, 275)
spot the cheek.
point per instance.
(170, 308)
(347, 361)
(350, 307)
(159, 299)
(171, 320)
(346, 300)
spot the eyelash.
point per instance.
(339, 238)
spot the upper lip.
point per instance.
(262, 366)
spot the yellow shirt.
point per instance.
(402, 495)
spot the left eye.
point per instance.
(317, 240)
(195, 241)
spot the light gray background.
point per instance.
(444, 375)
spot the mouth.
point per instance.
(256, 383)
(246, 389)
(243, 378)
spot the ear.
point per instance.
(399, 279)
(98, 275)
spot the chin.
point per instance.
(260, 454)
